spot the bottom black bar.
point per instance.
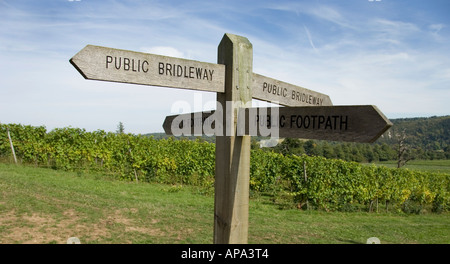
(223, 253)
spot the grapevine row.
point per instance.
(304, 181)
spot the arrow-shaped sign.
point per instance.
(360, 123)
(115, 65)
(271, 90)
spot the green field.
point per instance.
(442, 166)
(48, 206)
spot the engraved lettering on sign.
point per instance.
(274, 89)
(306, 98)
(181, 71)
(126, 64)
(315, 122)
(334, 122)
(284, 92)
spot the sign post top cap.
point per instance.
(235, 39)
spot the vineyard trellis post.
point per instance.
(306, 184)
(11, 145)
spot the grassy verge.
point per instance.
(442, 166)
(47, 206)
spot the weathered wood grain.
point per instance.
(192, 124)
(356, 123)
(282, 93)
(115, 65)
(231, 199)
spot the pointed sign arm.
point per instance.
(355, 123)
(124, 66)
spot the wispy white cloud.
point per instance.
(321, 12)
(329, 14)
(394, 32)
(437, 35)
(310, 38)
(435, 28)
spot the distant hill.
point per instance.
(427, 133)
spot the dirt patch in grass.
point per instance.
(45, 228)
(39, 228)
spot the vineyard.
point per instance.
(302, 181)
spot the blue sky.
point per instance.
(394, 54)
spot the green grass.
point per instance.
(47, 206)
(442, 166)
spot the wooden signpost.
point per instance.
(308, 114)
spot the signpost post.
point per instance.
(232, 179)
(308, 114)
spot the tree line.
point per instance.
(408, 139)
(357, 152)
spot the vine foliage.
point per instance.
(291, 180)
